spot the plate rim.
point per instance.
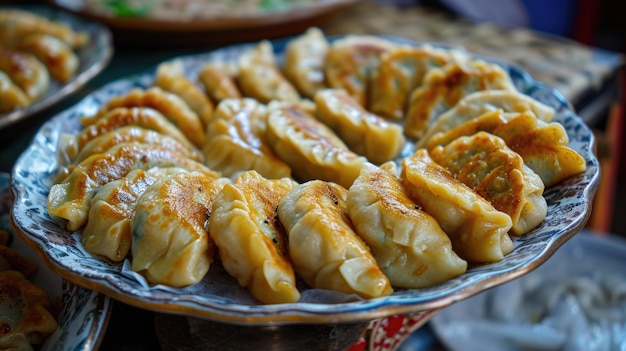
(376, 308)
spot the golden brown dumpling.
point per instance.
(58, 57)
(365, 133)
(260, 77)
(12, 97)
(325, 250)
(478, 103)
(350, 61)
(236, 140)
(251, 241)
(26, 71)
(444, 87)
(171, 245)
(479, 232)
(543, 146)
(168, 104)
(408, 243)
(309, 147)
(70, 199)
(108, 232)
(484, 163)
(304, 62)
(15, 24)
(218, 80)
(170, 76)
(127, 134)
(120, 117)
(399, 72)
(25, 314)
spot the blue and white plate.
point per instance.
(218, 296)
(84, 313)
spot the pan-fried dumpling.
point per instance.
(478, 103)
(304, 62)
(399, 72)
(170, 105)
(479, 232)
(408, 243)
(15, 24)
(251, 241)
(365, 133)
(326, 251)
(309, 147)
(25, 313)
(26, 71)
(108, 232)
(12, 97)
(236, 140)
(543, 146)
(260, 78)
(127, 134)
(484, 163)
(350, 61)
(70, 199)
(444, 87)
(58, 57)
(119, 117)
(218, 80)
(170, 76)
(170, 244)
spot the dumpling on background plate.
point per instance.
(478, 231)
(237, 142)
(26, 72)
(326, 251)
(488, 166)
(407, 242)
(444, 87)
(56, 55)
(170, 242)
(11, 96)
(478, 103)
(251, 241)
(15, 24)
(363, 132)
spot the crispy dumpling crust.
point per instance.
(408, 243)
(399, 72)
(365, 133)
(309, 147)
(444, 87)
(70, 198)
(543, 146)
(236, 140)
(486, 164)
(478, 103)
(251, 241)
(170, 242)
(218, 80)
(304, 62)
(108, 231)
(479, 232)
(168, 104)
(349, 62)
(326, 251)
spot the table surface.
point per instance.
(581, 73)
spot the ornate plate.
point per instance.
(94, 57)
(218, 296)
(84, 313)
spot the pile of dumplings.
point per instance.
(357, 165)
(34, 52)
